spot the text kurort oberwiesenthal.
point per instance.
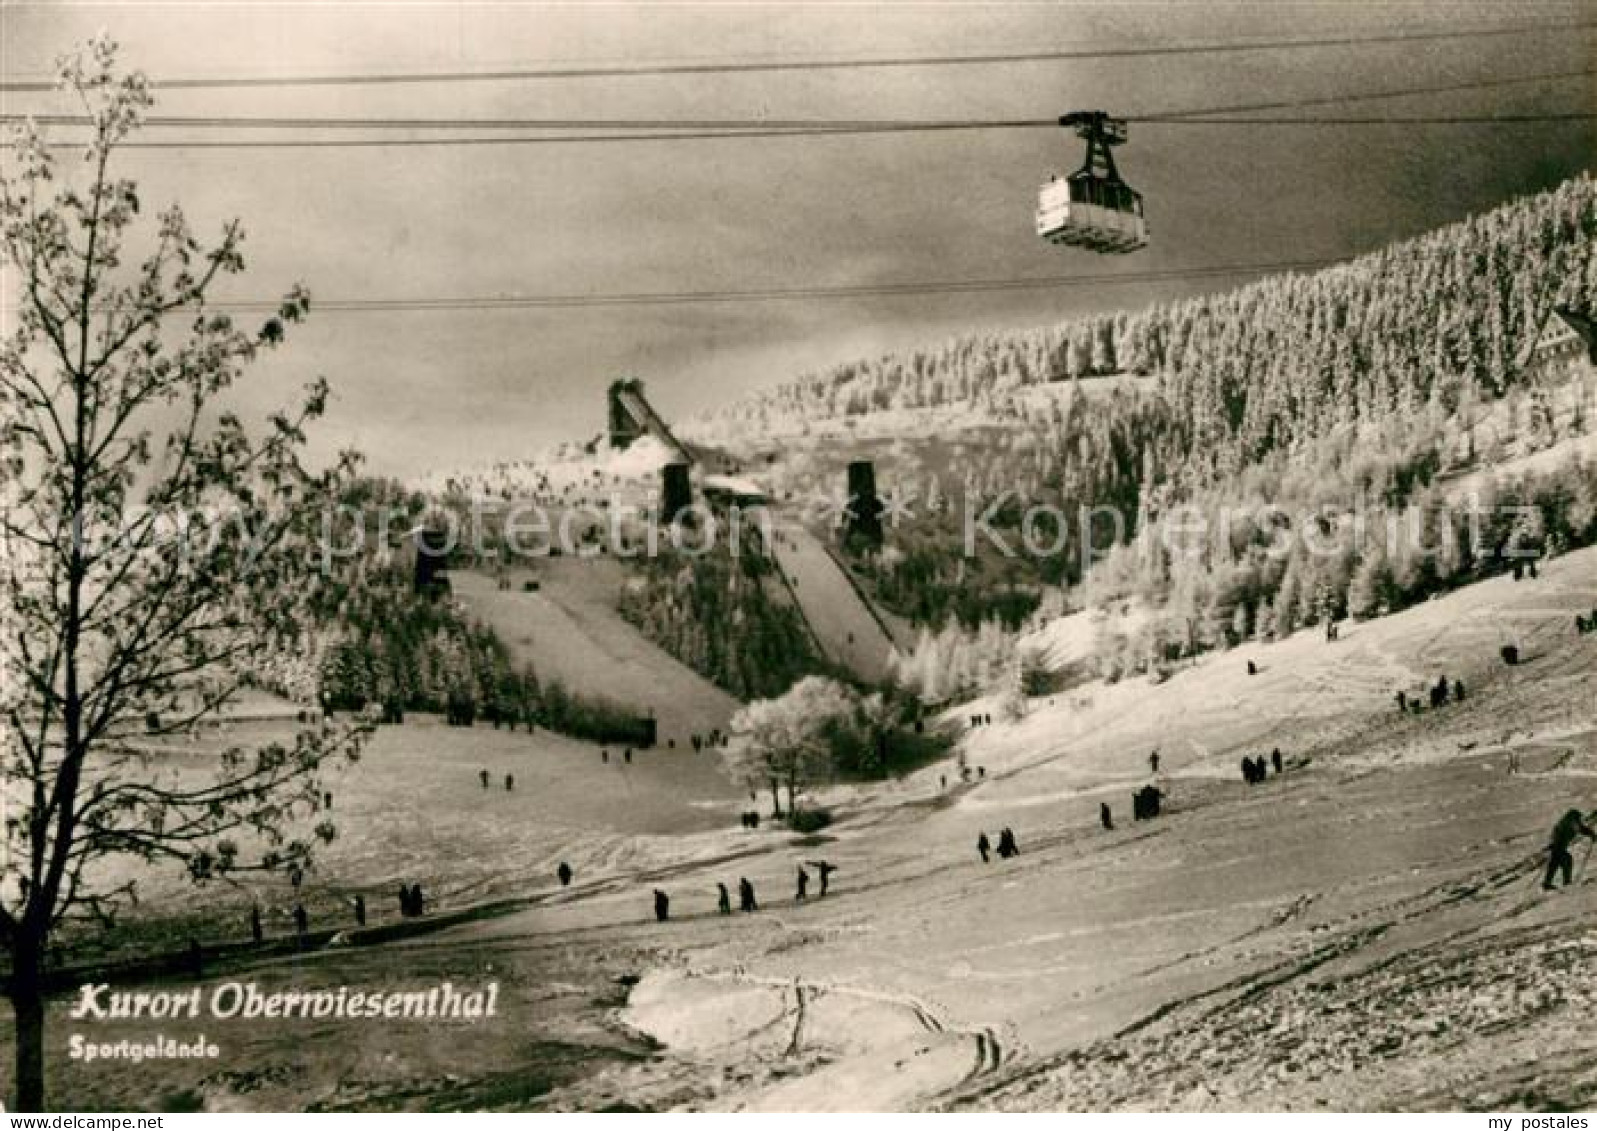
(245, 1001)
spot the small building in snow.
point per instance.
(1568, 339)
(732, 490)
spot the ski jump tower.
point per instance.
(633, 417)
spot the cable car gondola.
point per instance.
(1093, 207)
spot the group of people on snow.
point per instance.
(747, 902)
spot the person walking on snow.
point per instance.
(1570, 826)
(1006, 844)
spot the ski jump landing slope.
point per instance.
(570, 630)
(844, 625)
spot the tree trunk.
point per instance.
(27, 1003)
(776, 798)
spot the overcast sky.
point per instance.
(420, 389)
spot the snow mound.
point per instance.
(645, 456)
(1071, 639)
(564, 467)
